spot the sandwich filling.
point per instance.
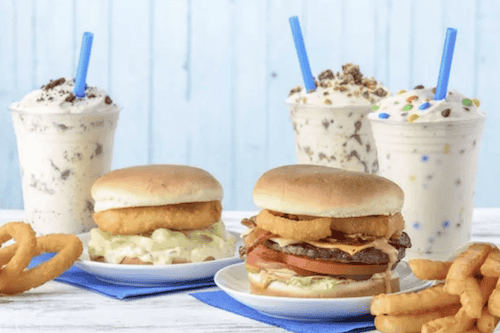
(164, 246)
(325, 263)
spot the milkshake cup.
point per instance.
(330, 123)
(430, 149)
(64, 143)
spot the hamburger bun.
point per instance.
(154, 185)
(343, 288)
(326, 192)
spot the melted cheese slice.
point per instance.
(351, 249)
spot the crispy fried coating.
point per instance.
(427, 299)
(425, 269)
(494, 299)
(468, 263)
(139, 220)
(309, 228)
(471, 298)
(491, 266)
(411, 322)
(68, 248)
(487, 322)
(15, 258)
(451, 324)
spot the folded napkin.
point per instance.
(76, 277)
(223, 301)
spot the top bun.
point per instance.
(329, 192)
(154, 185)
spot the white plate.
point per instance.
(152, 275)
(234, 281)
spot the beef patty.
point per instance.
(370, 255)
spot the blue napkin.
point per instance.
(76, 277)
(223, 301)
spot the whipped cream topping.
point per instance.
(345, 88)
(419, 106)
(57, 97)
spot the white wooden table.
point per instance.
(58, 307)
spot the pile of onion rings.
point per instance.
(14, 278)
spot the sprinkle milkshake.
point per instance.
(430, 148)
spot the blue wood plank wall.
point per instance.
(203, 82)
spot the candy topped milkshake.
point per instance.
(65, 143)
(430, 149)
(330, 122)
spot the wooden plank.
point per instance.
(381, 45)
(211, 89)
(55, 51)
(249, 26)
(92, 16)
(399, 49)
(281, 60)
(25, 47)
(10, 180)
(129, 80)
(323, 30)
(487, 68)
(8, 39)
(426, 42)
(170, 105)
(358, 39)
(462, 18)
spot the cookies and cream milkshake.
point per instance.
(430, 149)
(65, 143)
(330, 122)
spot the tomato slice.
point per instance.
(262, 254)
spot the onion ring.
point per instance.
(15, 261)
(68, 248)
(310, 228)
(314, 229)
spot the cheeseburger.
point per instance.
(158, 214)
(324, 233)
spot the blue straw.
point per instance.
(302, 54)
(444, 71)
(83, 64)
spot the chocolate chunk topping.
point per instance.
(352, 73)
(53, 83)
(419, 87)
(380, 92)
(91, 96)
(297, 89)
(70, 98)
(370, 83)
(446, 112)
(366, 94)
(326, 75)
(108, 100)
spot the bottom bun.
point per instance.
(326, 288)
(137, 261)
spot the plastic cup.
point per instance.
(60, 157)
(334, 136)
(436, 166)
